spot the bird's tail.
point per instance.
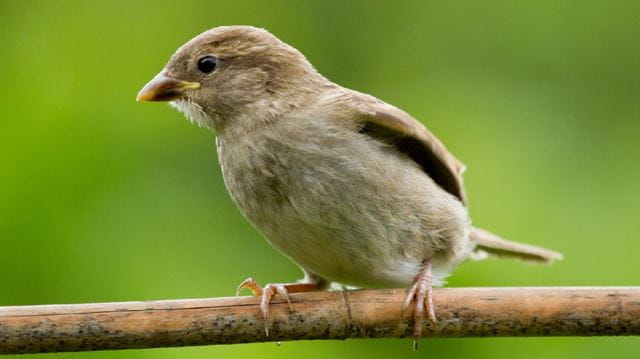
(492, 245)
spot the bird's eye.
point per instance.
(207, 64)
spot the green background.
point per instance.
(106, 199)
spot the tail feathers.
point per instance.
(492, 245)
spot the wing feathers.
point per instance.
(413, 138)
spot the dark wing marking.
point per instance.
(398, 128)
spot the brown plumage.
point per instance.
(352, 189)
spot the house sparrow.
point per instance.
(350, 188)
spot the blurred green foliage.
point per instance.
(105, 199)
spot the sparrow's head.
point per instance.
(230, 71)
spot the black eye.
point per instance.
(207, 64)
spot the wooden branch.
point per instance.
(462, 312)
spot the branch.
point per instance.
(462, 312)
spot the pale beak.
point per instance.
(164, 88)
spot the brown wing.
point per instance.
(395, 126)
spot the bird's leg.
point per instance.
(308, 284)
(421, 294)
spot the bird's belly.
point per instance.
(338, 264)
(340, 258)
(334, 256)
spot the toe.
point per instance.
(418, 314)
(282, 290)
(431, 312)
(267, 293)
(250, 284)
(408, 298)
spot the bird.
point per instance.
(352, 189)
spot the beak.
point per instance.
(164, 88)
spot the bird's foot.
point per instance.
(272, 289)
(421, 294)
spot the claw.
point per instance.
(421, 293)
(266, 294)
(250, 284)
